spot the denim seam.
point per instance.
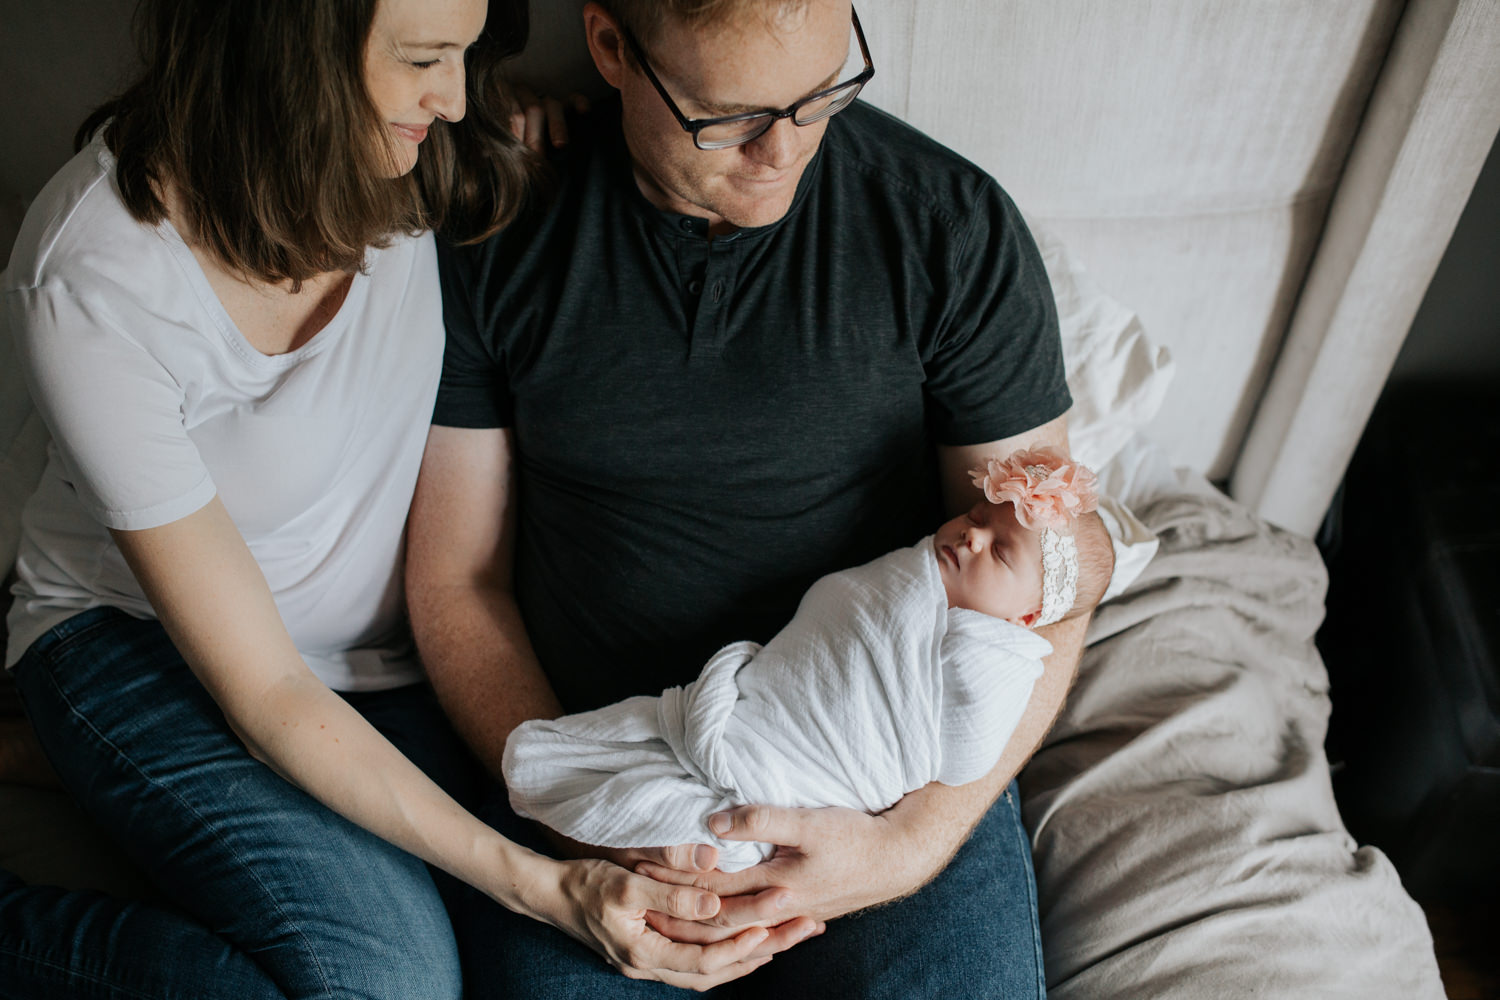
(62, 644)
(23, 958)
(235, 855)
(1031, 894)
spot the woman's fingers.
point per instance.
(702, 982)
(766, 907)
(638, 894)
(539, 121)
(557, 121)
(536, 126)
(708, 959)
(682, 857)
(782, 936)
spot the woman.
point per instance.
(229, 319)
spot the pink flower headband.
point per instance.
(1049, 494)
(1048, 490)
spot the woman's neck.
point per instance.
(273, 317)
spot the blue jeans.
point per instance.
(271, 894)
(972, 932)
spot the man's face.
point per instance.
(990, 564)
(754, 62)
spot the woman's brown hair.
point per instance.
(255, 113)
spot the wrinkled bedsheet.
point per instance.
(1186, 840)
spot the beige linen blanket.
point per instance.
(1186, 840)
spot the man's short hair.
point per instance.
(645, 18)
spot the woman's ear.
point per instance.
(606, 43)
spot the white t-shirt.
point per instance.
(156, 403)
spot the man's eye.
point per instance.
(425, 65)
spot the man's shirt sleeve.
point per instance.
(994, 363)
(474, 391)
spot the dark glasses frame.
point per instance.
(769, 117)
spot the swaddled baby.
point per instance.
(913, 668)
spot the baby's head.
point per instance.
(1033, 552)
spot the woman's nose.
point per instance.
(446, 100)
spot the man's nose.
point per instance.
(777, 146)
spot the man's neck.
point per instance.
(668, 202)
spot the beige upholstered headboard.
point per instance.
(1269, 183)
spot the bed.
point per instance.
(1268, 186)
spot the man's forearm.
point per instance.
(943, 816)
(481, 664)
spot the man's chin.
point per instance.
(757, 212)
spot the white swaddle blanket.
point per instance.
(875, 688)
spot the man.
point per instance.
(756, 334)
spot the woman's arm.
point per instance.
(210, 595)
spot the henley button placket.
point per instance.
(711, 324)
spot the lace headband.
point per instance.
(1059, 576)
(1049, 493)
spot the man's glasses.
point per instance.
(735, 130)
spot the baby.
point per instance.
(913, 668)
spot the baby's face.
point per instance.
(990, 564)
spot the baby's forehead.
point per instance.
(987, 513)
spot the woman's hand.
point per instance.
(770, 908)
(605, 907)
(540, 120)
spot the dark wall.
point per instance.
(1456, 335)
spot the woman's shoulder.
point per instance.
(79, 235)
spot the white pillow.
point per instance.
(1118, 379)
(1117, 376)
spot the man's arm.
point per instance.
(841, 860)
(460, 553)
(1058, 669)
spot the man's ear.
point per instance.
(606, 43)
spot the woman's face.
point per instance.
(414, 68)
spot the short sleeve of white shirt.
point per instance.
(114, 410)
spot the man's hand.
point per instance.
(831, 862)
(769, 908)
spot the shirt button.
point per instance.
(695, 286)
(718, 290)
(687, 225)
